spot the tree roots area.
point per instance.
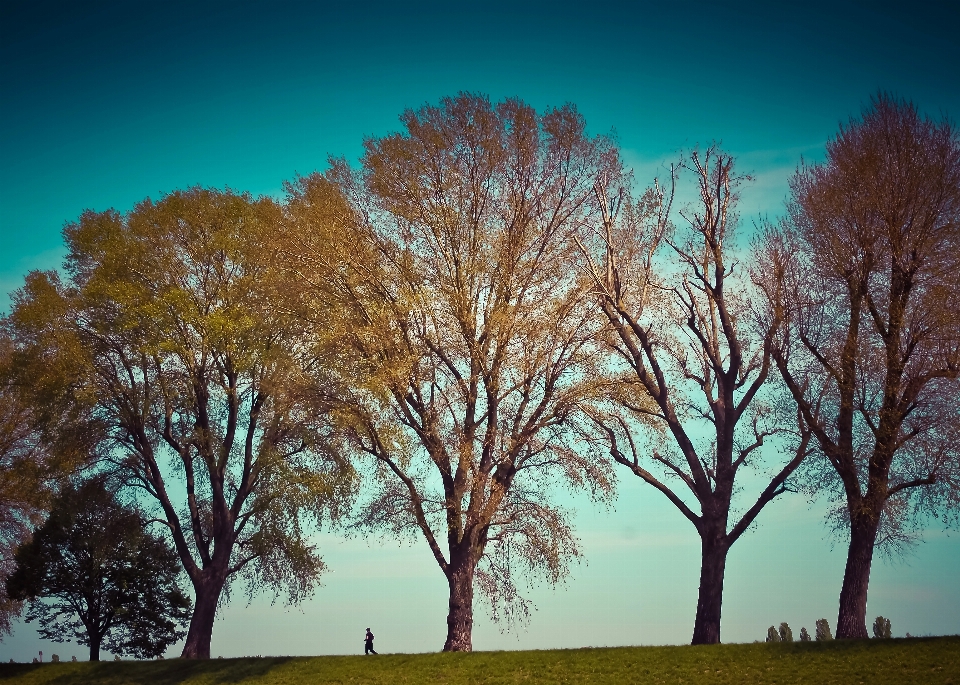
(914, 660)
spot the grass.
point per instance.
(871, 662)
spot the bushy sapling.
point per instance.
(823, 631)
(881, 628)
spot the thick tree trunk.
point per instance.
(713, 562)
(94, 648)
(460, 616)
(852, 620)
(201, 623)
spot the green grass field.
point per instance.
(870, 662)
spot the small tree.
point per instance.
(881, 628)
(94, 574)
(804, 635)
(772, 635)
(823, 631)
(786, 635)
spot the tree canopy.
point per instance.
(94, 574)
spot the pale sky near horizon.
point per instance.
(105, 103)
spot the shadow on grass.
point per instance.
(166, 672)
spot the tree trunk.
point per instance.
(460, 616)
(94, 647)
(713, 562)
(852, 620)
(201, 623)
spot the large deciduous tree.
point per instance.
(865, 273)
(692, 360)
(455, 274)
(94, 574)
(212, 402)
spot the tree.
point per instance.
(881, 628)
(693, 359)
(804, 635)
(453, 270)
(786, 635)
(213, 404)
(37, 448)
(95, 574)
(864, 273)
(823, 630)
(772, 635)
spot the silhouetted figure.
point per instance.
(368, 643)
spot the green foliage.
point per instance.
(95, 575)
(823, 630)
(881, 628)
(41, 441)
(786, 635)
(934, 660)
(173, 329)
(772, 635)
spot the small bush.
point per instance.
(804, 635)
(823, 631)
(772, 635)
(786, 635)
(881, 628)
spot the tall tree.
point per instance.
(450, 257)
(212, 403)
(93, 573)
(693, 361)
(865, 273)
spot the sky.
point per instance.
(105, 103)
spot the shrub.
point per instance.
(786, 635)
(823, 630)
(881, 627)
(804, 635)
(772, 635)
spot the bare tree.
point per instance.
(694, 358)
(865, 274)
(454, 276)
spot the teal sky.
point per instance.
(105, 103)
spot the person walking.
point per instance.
(368, 643)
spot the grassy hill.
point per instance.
(870, 662)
